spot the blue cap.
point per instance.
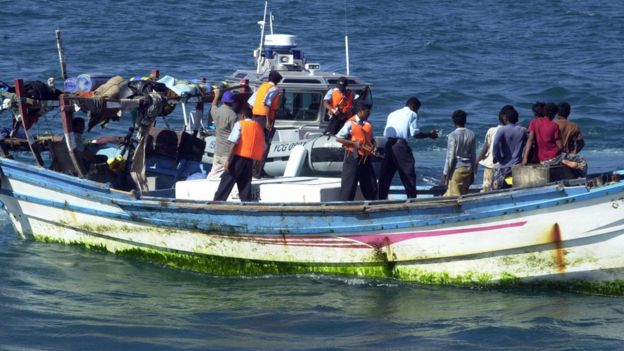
(228, 98)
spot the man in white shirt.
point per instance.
(401, 125)
(486, 156)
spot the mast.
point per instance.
(262, 24)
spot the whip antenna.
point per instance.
(346, 40)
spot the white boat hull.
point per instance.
(575, 240)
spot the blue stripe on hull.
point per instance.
(209, 220)
(309, 219)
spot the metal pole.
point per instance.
(59, 47)
(266, 4)
(347, 54)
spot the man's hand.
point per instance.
(217, 96)
(226, 165)
(443, 180)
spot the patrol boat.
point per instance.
(302, 117)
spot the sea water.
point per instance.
(473, 55)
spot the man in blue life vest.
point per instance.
(265, 102)
(338, 102)
(247, 145)
(357, 137)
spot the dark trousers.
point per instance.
(258, 166)
(239, 173)
(335, 124)
(398, 157)
(354, 171)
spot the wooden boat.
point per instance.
(569, 235)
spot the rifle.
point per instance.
(338, 108)
(336, 120)
(367, 149)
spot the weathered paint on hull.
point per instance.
(514, 269)
(545, 244)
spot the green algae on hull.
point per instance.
(228, 266)
(47, 239)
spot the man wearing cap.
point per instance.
(265, 102)
(400, 126)
(246, 145)
(338, 102)
(224, 118)
(357, 137)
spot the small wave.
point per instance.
(580, 13)
(430, 180)
(556, 92)
(432, 45)
(605, 151)
(351, 281)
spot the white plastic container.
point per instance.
(90, 81)
(295, 161)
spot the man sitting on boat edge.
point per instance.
(572, 140)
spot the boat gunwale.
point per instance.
(133, 199)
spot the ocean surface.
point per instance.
(473, 55)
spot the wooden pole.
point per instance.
(67, 115)
(26, 120)
(59, 47)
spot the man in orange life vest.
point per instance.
(247, 138)
(339, 104)
(357, 137)
(265, 102)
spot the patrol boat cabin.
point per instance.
(302, 117)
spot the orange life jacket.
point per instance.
(251, 142)
(259, 108)
(362, 133)
(337, 96)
